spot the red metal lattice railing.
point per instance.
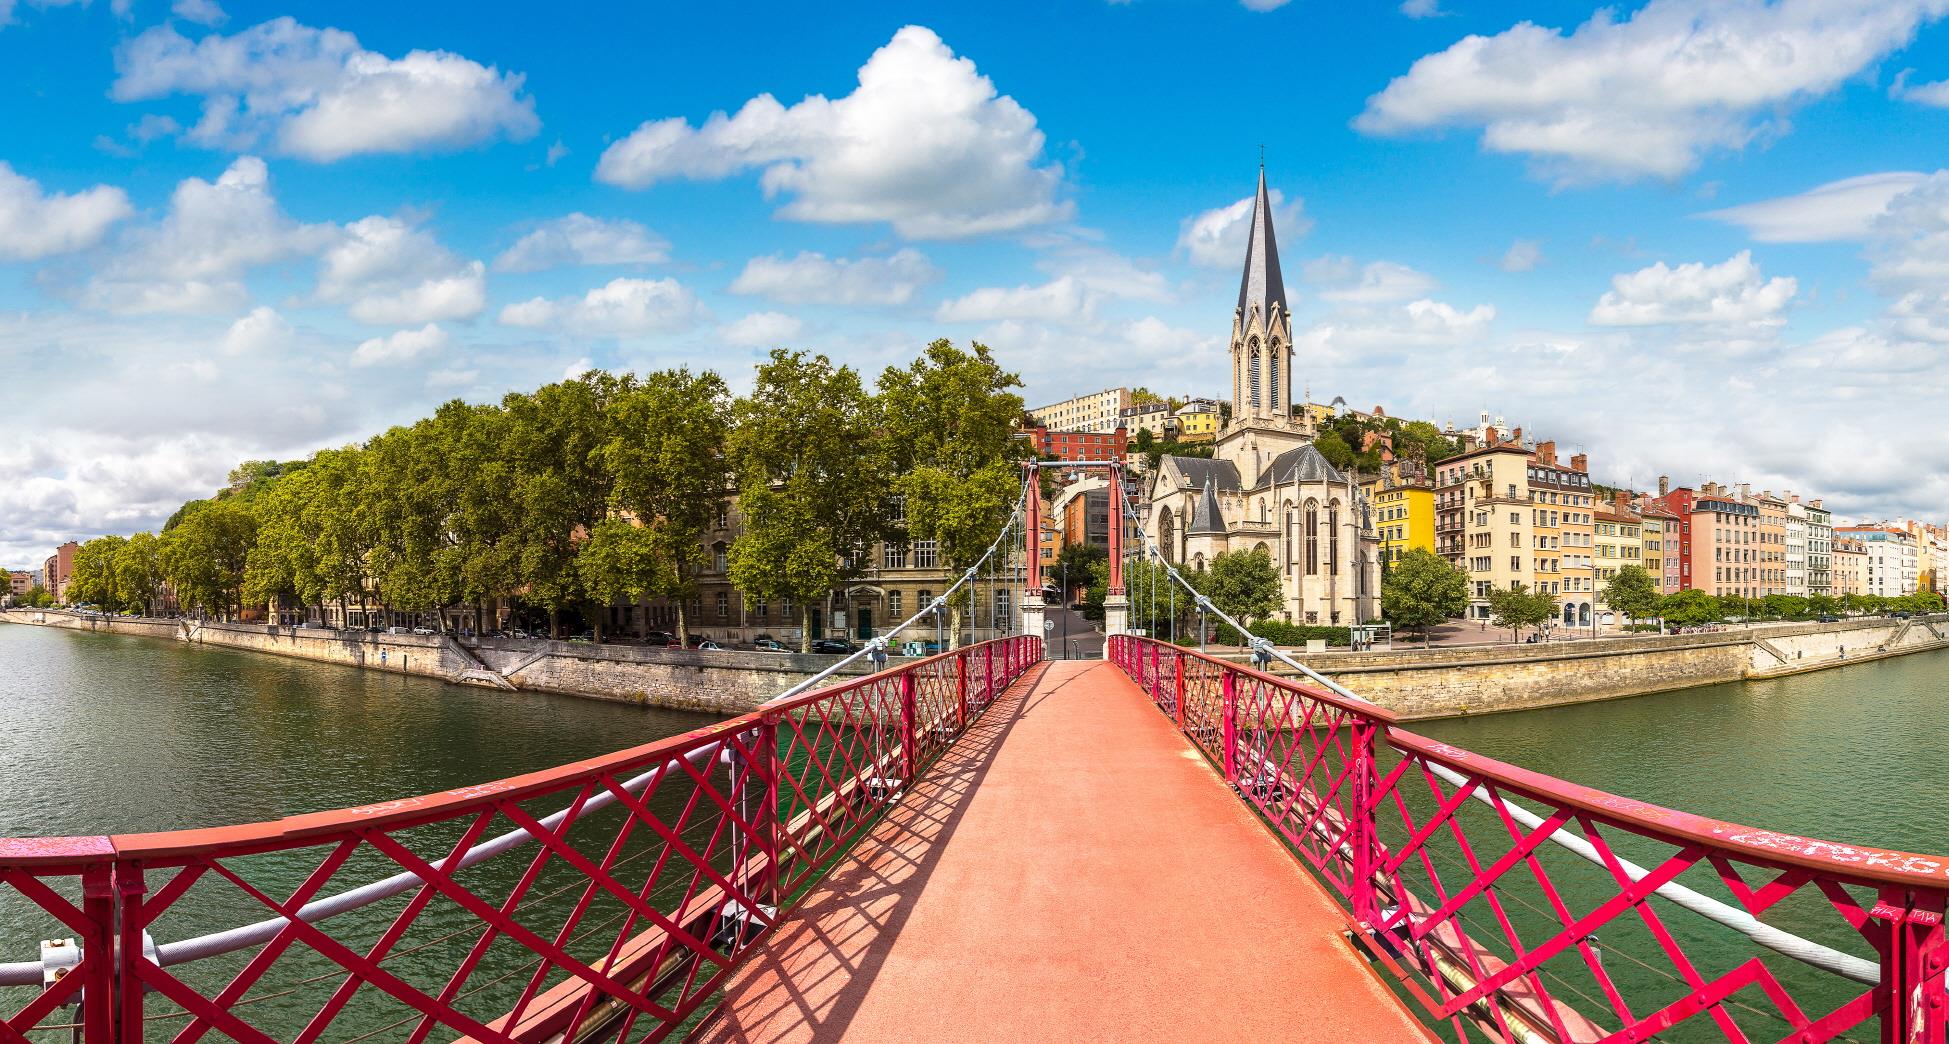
(643, 878)
(1518, 907)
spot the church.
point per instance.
(1266, 486)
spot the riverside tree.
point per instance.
(1633, 592)
(812, 480)
(1242, 583)
(1423, 589)
(93, 580)
(1517, 607)
(1690, 608)
(665, 452)
(554, 441)
(949, 422)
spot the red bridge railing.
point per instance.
(1518, 907)
(642, 880)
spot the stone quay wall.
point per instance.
(718, 682)
(1448, 682)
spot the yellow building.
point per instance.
(1404, 509)
(1620, 542)
(1198, 422)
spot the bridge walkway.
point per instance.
(1070, 870)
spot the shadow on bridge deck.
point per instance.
(1070, 870)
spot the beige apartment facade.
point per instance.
(1485, 520)
(1098, 411)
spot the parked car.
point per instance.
(1901, 614)
(422, 630)
(659, 639)
(707, 644)
(766, 644)
(399, 630)
(831, 645)
(1829, 618)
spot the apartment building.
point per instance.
(1848, 559)
(1659, 531)
(1098, 412)
(1563, 524)
(1820, 549)
(1404, 508)
(1619, 533)
(1484, 520)
(1890, 568)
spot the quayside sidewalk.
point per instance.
(1071, 870)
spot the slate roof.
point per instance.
(1262, 285)
(1199, 470)
(1206, 516)
(1300, 464)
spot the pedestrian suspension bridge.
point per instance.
(985, 845)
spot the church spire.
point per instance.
(1261, 286)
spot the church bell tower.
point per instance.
(1262, 329)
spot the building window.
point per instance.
(893, 603)
(759, 610)
(900, 509)
(785, 611)
(893, 556)
(724, 516)
(1312, 540)
(926, 554)
(720, 557)
(1002, 607)
(723, 606)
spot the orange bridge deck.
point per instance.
(1070, 870)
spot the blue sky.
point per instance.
(1703, 239)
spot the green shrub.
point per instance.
(1280, 633)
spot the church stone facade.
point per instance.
(1266, 486)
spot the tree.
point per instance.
(1243, 583)
(138, 572)
(1335, 449)
(812, 480)
(1087, 564)
(666, 449)
(1690, 608)
(1783, 606)
(204, 555)
(949, 422)
(1517, 607)
(1423, 589)
(93, 579)
(1633, 592)
(554, 441)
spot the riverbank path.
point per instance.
(1070, 870)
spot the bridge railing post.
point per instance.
(1177, 684)
(130, 891)
(1361, 836)
(1914, 957)
(909, 763)
(988, 675)
(767, 819)
(960, 691)
(98, 905)
(1229, 709)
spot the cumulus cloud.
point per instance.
(1839, 210)
(202, 12)
(35, 224)
(579, 239)
(1523, 255)
(317, 94)
(400, 346)
(814, 278)
(1377, 282)
(1059, 301)
(390, 272)
(1216, 237)
(1650, 94)
(620, 308)
(262, 330)
(925, 143)
(1422, 8)
(1731, 293)
(194, 260)
(761, 330)
(1935, 94)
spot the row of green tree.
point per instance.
(602, 489)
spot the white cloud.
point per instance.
(195, 259)
(1422, 8)
(579, 239)
(389, 272)
(1216, 237)
(7, 8)
(1061, 300)
(1523, 255)
(1649, 94)
(1263, 5)
(35, 224)
(202, 12)
(1378, 282)
(620, 308)
(315, 93)
(262, 330)
(400, 346)
(1731, 293)
(925, 143)
(1839, 210)
(1935, 94)
(761, 330)
(814, 278)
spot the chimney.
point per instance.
(1745, 491)
(1517, 436)
(1580, 463)
(1814, 502)
(1494, 439)
(1664, 485)
(1546, 452)
(1622, 500)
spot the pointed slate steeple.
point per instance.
(1261, 286)
(1205, 515)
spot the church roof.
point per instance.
(1261, 286)
(1205, 515)
(1199, 470)
(1300, 464)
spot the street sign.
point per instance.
(1048, 626)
